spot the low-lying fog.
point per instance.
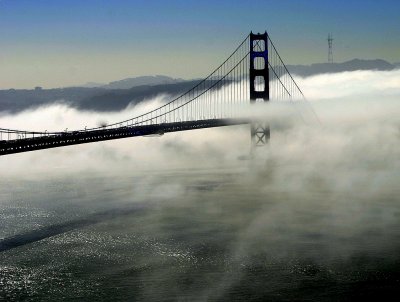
(320, 204)
(359, 127)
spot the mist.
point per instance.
(350, 118)
(323, 194)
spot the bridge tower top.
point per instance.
(259, 71)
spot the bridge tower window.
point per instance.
(259, 63)
(259, 45)
(259, 83)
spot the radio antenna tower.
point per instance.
(330, 50)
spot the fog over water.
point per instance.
(314, 215)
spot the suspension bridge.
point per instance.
(253, 73)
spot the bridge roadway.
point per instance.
(83, 137)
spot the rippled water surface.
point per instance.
(200, 235)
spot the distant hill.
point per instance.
(114, 96)
(15, 100)
(92, 85)
(134, 82)
(143, 80)
(356, 64)
(118, 99)
(94, 99)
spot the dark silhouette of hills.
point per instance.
(140, 81)
(118, 99)
(111, 98)
(92, 99)
(14, 100)
(353, 65)
(92, 85)
(136, 81)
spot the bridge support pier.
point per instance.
(259, 84)
(260, 134)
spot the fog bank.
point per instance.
(359, 128)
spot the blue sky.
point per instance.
(61, 43)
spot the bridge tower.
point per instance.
(330, 51)
(259, 84)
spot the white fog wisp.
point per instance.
(351, 122)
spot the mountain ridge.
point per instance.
(351, 65)
(114, 99)
(128, 83)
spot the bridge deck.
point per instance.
(83, 137)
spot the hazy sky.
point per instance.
(55, 43)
